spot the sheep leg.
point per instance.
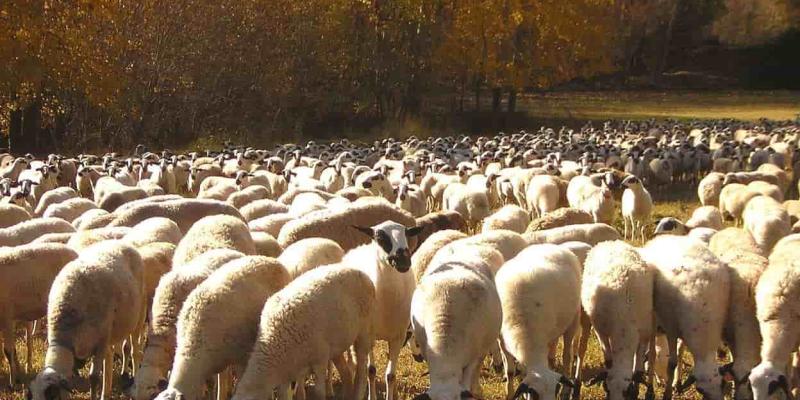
(496, 358)
(580, 353)
(569, 339)
(672, 365)
(224, 383)
(345, 374)
(30, 328)
(300, 388)
(108, 374)
(94, 377)
(510, 366)
(395, 345)
(372, 372)
(10, 352)
(363, 346)
(329, 379)
(625, 228)
(319, 379)
(470, 377)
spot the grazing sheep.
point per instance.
(218, 323)
(509, 217)
(214, 232)
(262, 208)
(169, 296)
(543, 195)
(472, 204)
(428, 249)
(587, 233)
(767, 189)
(540, 294)
(156, 261)
(741, 328)
(733, 199)
(337, 225)
(26, 232)
(83, 239)
(184, 212)
(767, 221)
(248, 195)
(69, 209)
(154, 230)
(455, 319)
(437, 221)
(776, 304)
(637, 205)
(386, 260)
(561, 217)
(706, 217)
(12, 214)
(55, 196)
(266, 244)
(26, 274)
(313, 320)
(271, 224)
(304, 255)
(709, 189)
(691, 298)
(730, 238)
(83, 318)
(617, 295)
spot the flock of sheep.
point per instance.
(242, 273)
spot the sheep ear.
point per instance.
(410, 232)
(367, 231)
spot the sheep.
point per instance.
(455, 319)
(428, 249)
(218, 323)
(437, 221)
(83, 318)
(54, 196)
(112, 200)
(27, 273)
(709, 188)
(508, 243)
(691, 297)
(214, 232)
(472, 204)
(26, 232)
(767, 221)
(62, 238)
(184, 212)
(156, 261)
(338, 225)
(92, 219)
(304, 255)
(741, 328)
(767, 189)
(587, 233)
(775, 296)
(617, 295)
(525, 285)
(792, 208)
(733, 199)
(271, 224)
(288, 197)
(83, 239)
(411, 199)
(266, 244)
(305, 203)
(150, 188)
(169, 296)
(154, 230)
(558, 218)
(592, 194)
(509, 217)
(262, 208)
(69, 209)
(152, 199)
(248, 195)
(774, 174)
(314, 319)
(738, 238)
(12, 214)
(706, 217)
(637, 205)
(543, 194)
(386, 259)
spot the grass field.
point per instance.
(750, 105)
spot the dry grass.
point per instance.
(749, 106)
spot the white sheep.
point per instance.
(411, 199)
(154, 230)
(83, 318)
(26, 274)
(217, 325)
(617, 295)
(706, 217)
(455, 319)
(776, 309)
(262, 208)
(307, 254)
(184, 212)
(691, 297)
(248, 195)
(271, 224)
(733, 199)
(539, 291)
(314, 319)
(69, 209)
(55, 196)
(169, 296)
(587, 233)
(471, 203)
(26, 232)
(510, 217)
(562, 217)
(767, 221)
(729, 238)
(266, 244)
(767, 189)
(214, 232)
(428, 249)
(637, 206)
(591, 194)
(12, 214)
(83, 239)
(508, 243)
(386, 260)
(709, 188)
(543, 194)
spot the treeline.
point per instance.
(89, 74)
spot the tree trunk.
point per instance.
(496, 94)
(477, 95)
(512, 100)
(662, 62)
